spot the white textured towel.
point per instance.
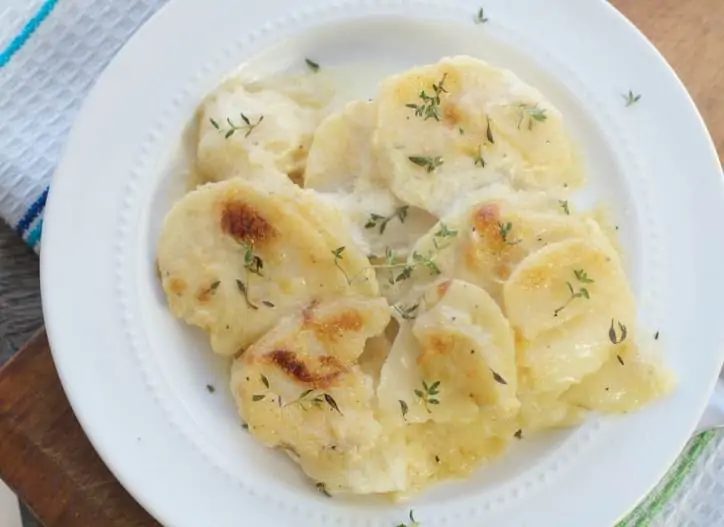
(51, 52)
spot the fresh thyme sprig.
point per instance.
(582, 292)
(428, 395)
(504, 229)
(480, 17)
(377, 220)
(631, 98)
(309, 399)
(430, 106)
(247, 126)
(428, 163)
(428, 261)
(338, 257)
(533, 113)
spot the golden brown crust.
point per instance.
(333, 327)
(244, 223)
(322, 374)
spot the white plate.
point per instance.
(137, 378)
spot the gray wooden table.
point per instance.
(20, 313)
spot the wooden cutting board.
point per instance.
(46, 458)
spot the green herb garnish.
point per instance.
(564, 206)
(533, 113)
(404, 409)
(582, 292)
(252, 262)
(308, 397)
(498, 378)
(413, 522)
(247, 126)
(377, 220)
(631, 98)
(504, 230)
(428, 163)
(322, 488)
(243, 290)
(428, 395)
(613, 337)
(338, 257)
(314, 66)
(480, 17)
(426, 261)
(479, 160)
(430, 106)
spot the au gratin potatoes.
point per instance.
(401, 284)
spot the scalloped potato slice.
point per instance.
(300, 389)
(256, 131)
(457, 358)
(565, 281)
(467, 343)
(629, 380)
(505, 231)
(563, 356)
(492, 231)
(341, 157)
(234, 257)
(343, 167)
(452, 127)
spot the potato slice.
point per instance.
(299, 388)
(564, 281)
(456, 359)
(257, 131)
(234, 258)
(452, 127)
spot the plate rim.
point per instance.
(47, 254)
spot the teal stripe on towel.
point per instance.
(34, 236)
(32, 25)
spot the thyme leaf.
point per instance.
(428, 163)
(377, 220)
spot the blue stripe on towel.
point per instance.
(33, 212)
(33, 24)
(34, 236)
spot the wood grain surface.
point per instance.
(44, 454)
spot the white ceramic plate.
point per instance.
(137, 378)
